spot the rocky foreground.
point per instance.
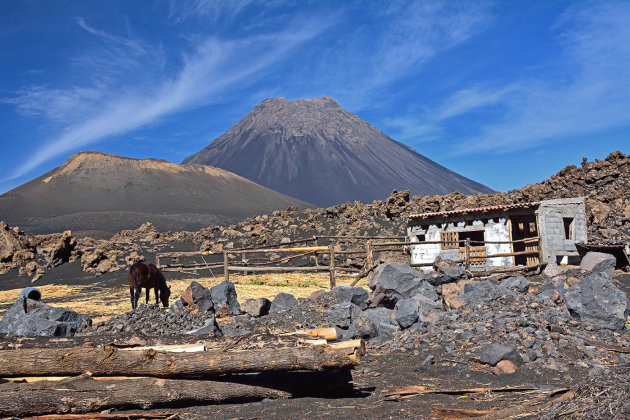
(551, 330)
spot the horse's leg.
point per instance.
(137, 297)
(155, 290)
(147, 299)
(132, 296)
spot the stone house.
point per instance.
(537, 232)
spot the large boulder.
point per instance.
(362, 327)
(595, 299)
(496, 352)
(225, 299)
(599, 262)
(257, 307)
(480, 292)
(406, 312)
(380, 315)
(341, 314)
(446, 275)
(425, 289)
(396, 278)
(429, 310)
(61, 251)
(12, 240)
(356, 295)
(518, 283)
(282, 302)
(196, 299)
(28, 317)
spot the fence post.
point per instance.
(244, 262)
(467, 257)
(316, 254)
(540, 250)
(331, 250)
(368, 250)
(226, 270)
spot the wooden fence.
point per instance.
(468, 255)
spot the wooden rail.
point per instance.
(469, 255)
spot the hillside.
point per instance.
(100, 192)
(314, 150)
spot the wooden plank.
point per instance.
(283, 250)
(510, 254)
(276, 269)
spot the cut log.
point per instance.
(330, 334)
(136, 340)
(84, 394)
(112, 361)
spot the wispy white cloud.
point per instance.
(414, 33)
(127, 42)
(211, 10)
(429, 125)
(55, 104)
(215, 66)
(592, 94)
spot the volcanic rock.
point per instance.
(428, 310)
(362, 327)
(197, 299)
(225, 299)
(406, 312)
(398, 279)
(595, 299)
(282, 302)
(28, 317)
(518, 283)
(257, 307)
(446, 275)
(496, 352)
(210, 326)
(599, 262)
(356, 295)
(341, 314)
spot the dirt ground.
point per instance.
(380, 373)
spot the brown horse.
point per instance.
(148, 276)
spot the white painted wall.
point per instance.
(498, 231)
(495, 230)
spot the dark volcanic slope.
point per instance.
(314, 150)
(97, 191)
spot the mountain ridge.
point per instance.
(92, 189)
(315, 150)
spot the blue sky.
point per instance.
(506, 93)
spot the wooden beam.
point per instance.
(111, 361)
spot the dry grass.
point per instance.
(102, 303)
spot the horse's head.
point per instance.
(164, 295)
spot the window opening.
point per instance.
(568, 227)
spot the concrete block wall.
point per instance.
(551, 214)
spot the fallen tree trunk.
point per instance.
(128, 340)
(84, 394)
(112, 361)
